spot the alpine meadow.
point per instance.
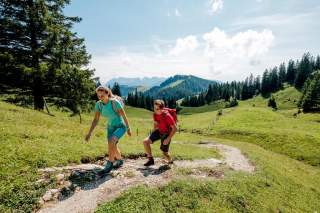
(159, 106)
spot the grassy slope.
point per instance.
(173, 84)
(297, 137)
(30, 140)
(206, 108)
(280, 184)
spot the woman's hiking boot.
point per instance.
(117, 164)
(108, 167)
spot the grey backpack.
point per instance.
(113, 100)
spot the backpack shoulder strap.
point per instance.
(99, 104)
(114, 106)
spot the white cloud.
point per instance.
(177, 13)
(217, 55)
(236, 56)
(183, 45)
(215, 6)
(244, 44)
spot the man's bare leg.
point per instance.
(147, 148)
(168, 157)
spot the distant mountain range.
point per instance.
(128, 85)
(178, 86)
(134, 82)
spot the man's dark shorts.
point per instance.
(155, 135)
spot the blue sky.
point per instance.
(215, 39)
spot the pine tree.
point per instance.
(291, 72)
(265, 84)
(274, 80)
(251, 86)
(116, 89)
(245, 90)
(310, 100)
(317, 63)
(209, 94)
(257, 85)
(75, 88)
(36, 41)
(216, 92)
(304, 70)
(282, 74)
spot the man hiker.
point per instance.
(164, 128)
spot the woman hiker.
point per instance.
(111, 107)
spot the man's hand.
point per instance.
(166, 141)
(87, 138)
(129, 132)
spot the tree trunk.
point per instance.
(38, 93)
(37, 81)
(45, 104)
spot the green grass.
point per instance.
(280, 184)
(294, 137)
(30, 140)
(206, 108)
(279, 131)
(283, 148)
(286, 99)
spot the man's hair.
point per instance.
(159, 103)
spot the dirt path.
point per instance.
(82, 190)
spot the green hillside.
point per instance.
(280, 184)
(30, 140)
(179, 86)
(282, 147)
(286, 99)
(206, 108)
(252, 121)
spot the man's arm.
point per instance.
(172, 132)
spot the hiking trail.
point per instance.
(81, 189)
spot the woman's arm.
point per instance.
(93, 125)
(122, 113)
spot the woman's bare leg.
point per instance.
(117, 153)
(111, 151)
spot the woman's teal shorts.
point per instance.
(116, 131)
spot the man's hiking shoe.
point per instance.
(150, 162)
(118, 164)
(108, 167)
